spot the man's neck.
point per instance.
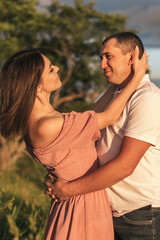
(125, 82)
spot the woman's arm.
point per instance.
(105, 99)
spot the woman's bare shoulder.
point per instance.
(47, 129)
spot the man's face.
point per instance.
(116, 65)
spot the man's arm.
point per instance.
(109, 174)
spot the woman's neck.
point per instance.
(41, 108)
(42, 102)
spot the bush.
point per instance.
(23, 204)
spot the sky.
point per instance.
(142, 15)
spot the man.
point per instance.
(129, 151)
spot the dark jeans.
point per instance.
(143, 223)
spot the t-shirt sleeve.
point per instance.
(144, 118)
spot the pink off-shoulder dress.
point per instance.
(71, 155)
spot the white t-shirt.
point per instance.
(140, 120)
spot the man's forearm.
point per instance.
(103, 177)
(112, 172)
(109, 174)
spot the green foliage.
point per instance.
(20, 26)
(70, 36)
(75, 34)
(23, 205)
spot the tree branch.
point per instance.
(68, 99)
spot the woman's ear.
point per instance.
(39, 89)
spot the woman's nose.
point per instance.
(57, 68)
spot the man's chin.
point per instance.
(108, 79)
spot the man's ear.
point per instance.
(132, 57)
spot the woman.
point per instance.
(63, 142)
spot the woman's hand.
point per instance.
(140, 65)
(56, 188)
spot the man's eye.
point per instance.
(108, 56)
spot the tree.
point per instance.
(71, 37)
(74, 37)
(21, 26)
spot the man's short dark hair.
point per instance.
(127, 41)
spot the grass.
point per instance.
(23, 205)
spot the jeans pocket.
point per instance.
(136, 222)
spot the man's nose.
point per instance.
(103, 63)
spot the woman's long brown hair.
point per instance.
(19, 79)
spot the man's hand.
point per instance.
(56, 188)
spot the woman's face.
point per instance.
(50, 80)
